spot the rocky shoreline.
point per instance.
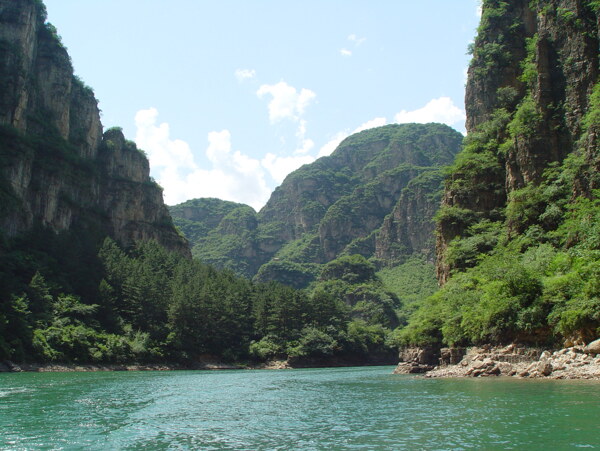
(10, 367)
(202, 364)
(575, 362)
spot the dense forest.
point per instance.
(62, 302)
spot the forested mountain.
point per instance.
(92, 269)
(335, 206)
(518, 247)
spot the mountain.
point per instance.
(221, 233)
(58, 170)
(335, 206)
(517, 248)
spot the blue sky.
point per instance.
(228, 97)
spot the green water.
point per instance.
(342, 408)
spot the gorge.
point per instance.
(337, 268)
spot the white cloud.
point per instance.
(377, 122)
(479, 9)
(286, 102)
(332, 144)
(244, 74)
(280, 167)
(301, 132)
(328, 148)
(437, 110)
(233, 175)
(356, 39)
(306, 146)
(346, 52)
(154, 139)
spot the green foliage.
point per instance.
(538, 287)
(490, 51)
(594, 5)
(351, 269)
(266, 348)
(592, 117)
(539, 283)
(529, 74)
(42, 14)
(581, 228)
(525, 120)
(530, 273)
(479, 239)
(221, 243)
(479, 166)
(363, 338)
(410, 281)
(87, 90)
(297, 275)
(566, 15)
(314, 343)
(49, 36)
(455, 217)
(306, 248)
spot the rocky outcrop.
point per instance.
(534, 68)
(418, 360)
(576, 362)
(58, 169)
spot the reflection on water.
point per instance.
(363, 408)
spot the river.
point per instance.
(335, 408)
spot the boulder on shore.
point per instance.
(593, 348)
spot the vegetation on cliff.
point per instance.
(518, 247)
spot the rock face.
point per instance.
(576, 362)
(409, 229)
(58, 169)
(417, 360)
(338, 206)
(529, 86)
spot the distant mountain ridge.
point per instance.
(332, 207)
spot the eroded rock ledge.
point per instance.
(576, 362)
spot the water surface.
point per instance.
(340, 408)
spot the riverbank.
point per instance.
(575, 362)
(10, 367)
(207, 364)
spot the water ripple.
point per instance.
(343, 408)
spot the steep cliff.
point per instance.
(517, 233)
(409, 229)
(534, 67)
(336, 206)
(58, 169)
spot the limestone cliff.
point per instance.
(409, 229)
(534, 68)
(58, 169)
